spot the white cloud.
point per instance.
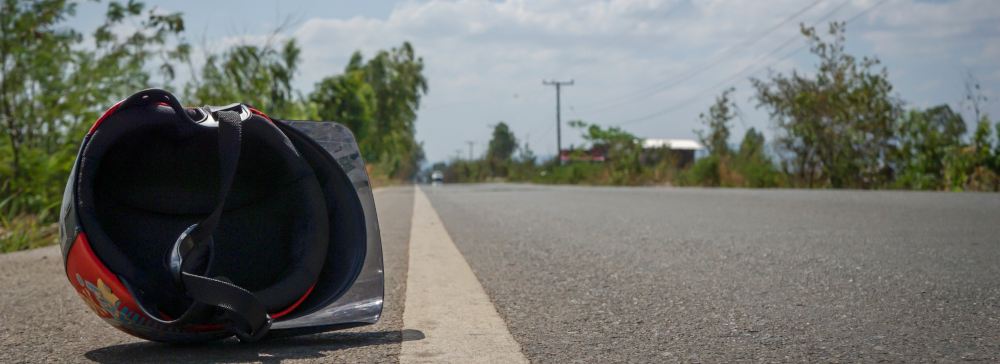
(929, 29)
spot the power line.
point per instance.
(687, 102)
(738, 74)
(684, 76)
(546, 132)
(681, 77)
(691, 21)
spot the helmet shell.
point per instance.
(345, 295)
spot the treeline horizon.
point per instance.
(839, 126)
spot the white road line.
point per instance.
(445, 301)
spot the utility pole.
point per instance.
(558, 84)
(470, 148)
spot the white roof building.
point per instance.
(675, 144)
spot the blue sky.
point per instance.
(650, 66)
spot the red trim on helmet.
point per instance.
(112, 111)
(294, 305)
(101, 290)
(105, 116)
(265, 117)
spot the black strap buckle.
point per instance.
(212, 112)
(181, 258)
(256, 333)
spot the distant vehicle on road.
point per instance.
(437, 177)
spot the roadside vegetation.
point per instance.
(837, 126)
(56, 81)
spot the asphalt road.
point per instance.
(650, 275)
(638, 275)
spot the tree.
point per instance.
(396, 76)
(526, 155)
(379, 100)
(974, 167)
(749, 166)
(52, 87)
(974, 98)
(349, 100)
(260, 76)
(753, 144)
(835, 128)
(753, 163)
(716, 140)
(926, 139)
(622, 150)
(502, 145)
(714, 170)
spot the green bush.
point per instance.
(704, 172)
(19, 231)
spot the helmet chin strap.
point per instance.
(191, 256)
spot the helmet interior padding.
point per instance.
(147, 175)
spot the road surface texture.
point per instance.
(42, 319)
(651, 275)
(636, 275)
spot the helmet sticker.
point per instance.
(112, 302)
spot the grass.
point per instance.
(20, 231)
(26, 232)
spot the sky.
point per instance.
(648, 66)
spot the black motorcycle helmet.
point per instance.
(196, 224)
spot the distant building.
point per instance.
(592, 155)
(679, 152)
